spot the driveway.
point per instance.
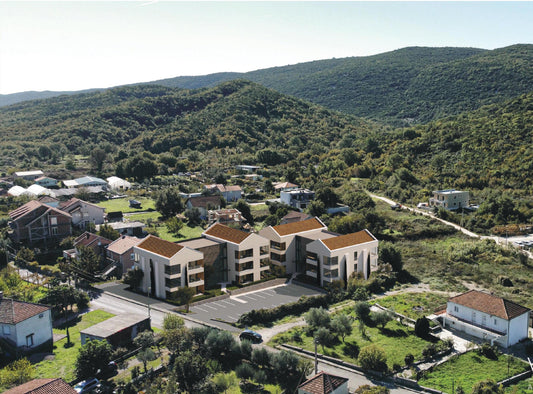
(230, 309)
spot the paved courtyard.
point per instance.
(230, 309)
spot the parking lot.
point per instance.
(230, 309)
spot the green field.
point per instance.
(63, 362)
(122, 204)
(469, 368)
(412, 305)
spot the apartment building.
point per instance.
(450, 199)
(247, 253)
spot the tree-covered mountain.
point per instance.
(408, 86)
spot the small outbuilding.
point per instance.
(119, 330)
(324, 383)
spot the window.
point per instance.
(264, 262)
(29, 340)
(170, 283)
(455, 308)
(263, 249)
(242, 254)
(330, 260)
(54, 230)
(331, 274)
(355, 255)
(196, 264)
(277, 245)
(277, 257)
(495, 322)
(355, 267)
(243, 267)
(311, 256)
(7, 330)
(172, 269)
(53, 221)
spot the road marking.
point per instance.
(219, 304)
(226, 302)
(239, 300)
(233, 318)
(209, 306)
(203, 310)
(258, 295)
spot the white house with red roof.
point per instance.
(334, 258)
(168, 266)
(247, 253)
(488, 317)
(230, 193)
(83, 212)
(24, 326)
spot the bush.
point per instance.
(244, 371)
(409, 359)
(429, 351)
(373, 357)
(488, 351)
(529, 349)
(422, 327)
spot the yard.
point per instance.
(63, 361)
(453, 372)
(396, 340)
(122, 204)
(412, 305)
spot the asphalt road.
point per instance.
(230, 309)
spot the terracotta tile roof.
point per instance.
(24, 209)
(123, 244)
(229, 188)
(204, 201)
(159, 246)
(284, 185)
(322, 383)
(343, 241)
(490, 304)
(227, 233)
(43, 386)
(298, 227)
(88, 239)
(13, 312)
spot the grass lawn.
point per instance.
(469, 368)
(523, 387)
(64, 359)
(122, 204)
(235, 389)
(412, 305)
(396, 340)
(145, 216)
(185, 233)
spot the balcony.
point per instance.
(311, 261)
(196, 283)
(195, 269)
(311, 274)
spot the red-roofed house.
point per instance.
(338, 257)
(488, 317)
(230, 193)
(324, 383)
(24, 326)
(247, 253)
(37, 222)
(168, 266)
(120, 251)
(83, 212)
(43, 386)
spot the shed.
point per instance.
(118, 331)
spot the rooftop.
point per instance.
(204, 201)
(226, 233)
(43, 386)
(343, 241)
(13, 312)
(322, 383)
(159, 246)
(490, 304)
(448, 191)
(299, 227)
(123, 244)
(113, 325)
(199, 243)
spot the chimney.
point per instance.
(88, 235)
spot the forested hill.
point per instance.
(239, 115)
(489, 148)
(408, 86)
(413, 85)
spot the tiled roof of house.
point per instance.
(123, 244)
(204, 201)
(13, 312)
(322, 383)
(229, 188)
(33, 206)
(490, 304)
(73, 202)
(284, 185)
(159, 246)
(296, 215)
(298, 227)
(343, 241)
(88, 239)
(43, 386)
(24, 209)
(227, 233)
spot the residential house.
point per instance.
(168, 266)
(116, 183)
(24, 326)
(285, 187)
(46, 181)
(230, 193)
(297, 198)
(37, 222)
(339, 257)
(43, 386)
(119, 331)
(324, 383)
(227, 217)
(134, 229)
(246, 168)
(450, 199)
(83, 212)
(120, 251)
(95, 242)
(28, 175)
(247, 253)
(288, 242)
(488, 317)
(294, 216)
(204, 204)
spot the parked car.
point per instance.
(86, 386)
(395, 207)
(252, 336)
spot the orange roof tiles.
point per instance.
(43, 386)
(13, 312)
(227, 233)
(298, 227)
(159, 246)
(490, 304)
(343, 241)
(322, 383)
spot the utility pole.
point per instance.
(316, 357)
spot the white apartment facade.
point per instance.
(450, 199)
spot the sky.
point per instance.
(74, 45)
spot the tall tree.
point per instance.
(91, 357)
